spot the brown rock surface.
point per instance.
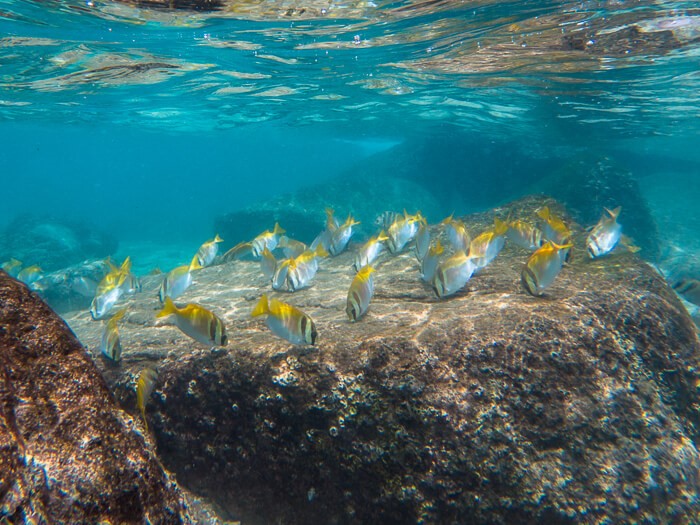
(489, 407)
(68, 454)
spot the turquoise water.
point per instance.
(148, 124)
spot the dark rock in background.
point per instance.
(489, 407)
(302, 215)
(586, 185)
(68, 454)
(53, 243)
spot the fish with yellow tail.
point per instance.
(197, 322)
(485, 247)
(341, 236)
(422, 239)
(554, 229)
(430, 261)
(402, 231)
(30, 274)
(360, 293)
(12, 267)
(542, 267)
(303, 269)
(268, 264)
(291, 247)
(238, 252)
(144, 388)
(325, 237)
(106, 297)
(452, 274)
(110, 345)
(605, 235)
(178, 280)
(369, 251)
(524, 234)
(457, 233)
(207, 251)
(268, 239)
(287, 321)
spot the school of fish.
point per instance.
(447, 254)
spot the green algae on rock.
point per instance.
(489, 407)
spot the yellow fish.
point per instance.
(30, 274)
(12, 267)
(197, 322)
(111, 345)
(524, 234)
(452, 274)
(431, 260)
(267, 239)
(178, 280)
(144, 389)
(303, 268)
(286, 321)
(554, 228)
(457, 234)
(542, 267)
(370, 251)
(485, 247)
(239, 251)
(207, 251)
(403, 231)
(360, 293)
(341, 236)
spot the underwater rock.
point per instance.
(68, 453)
(302, 215)
(586, 186)
(53, 243)
(491, 406)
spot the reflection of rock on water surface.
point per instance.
(490, 407)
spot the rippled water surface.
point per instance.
(155, 94)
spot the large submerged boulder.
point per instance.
(491, 406)
(68, 453)
(53, 243)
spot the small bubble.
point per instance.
(333, 431)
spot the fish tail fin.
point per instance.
(448, 220)
(614, 213)
(195, 264)
(562, 246)
(262, 308)
(126, 265)
(168, 308)
(119, 315)
(382, 236)
(217, 238)
(278, 229)
(500, 227)
(321, 251)
(365, 272)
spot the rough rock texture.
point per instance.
(489, 407)
(53, 243)
(68, 454)
(302, 215)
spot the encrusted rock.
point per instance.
(68, 453)
(489, 407)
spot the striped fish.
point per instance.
(267, 239)
(144, 388)
(452, 274)
(207, 251)
(605, 235)
(542, 268)
(385, 219)
(197, 322)
(430, 261)
(178, 280)
(524, 234)
(286, 321)
(110, 344)
(369, 251)
(689, 289)
(360, 293)
(457, 234)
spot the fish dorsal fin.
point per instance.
(278, 229)
(543, 213)
(364, 273)
(613, 214)
(500, 227)
(382, 236)
(321, 251)
(126, 265)
(169, 308)
(217, 238)
(194, 264)
(262, 308)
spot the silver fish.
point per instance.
(369, 251)
(102, 304)
(452, 274)
(287, 321)
(605, 235)
(402, 232)
(197, 322)
(111, 345)
(525, 235)
(267, 239)
(422, 240)
(207, 251)
(360, 293)
(178, 280)
(341, 236)
(430, 261)
(542, 268)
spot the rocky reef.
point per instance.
(68, 453)
(489, 407)
(53, 243)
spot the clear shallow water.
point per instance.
(150, 122)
